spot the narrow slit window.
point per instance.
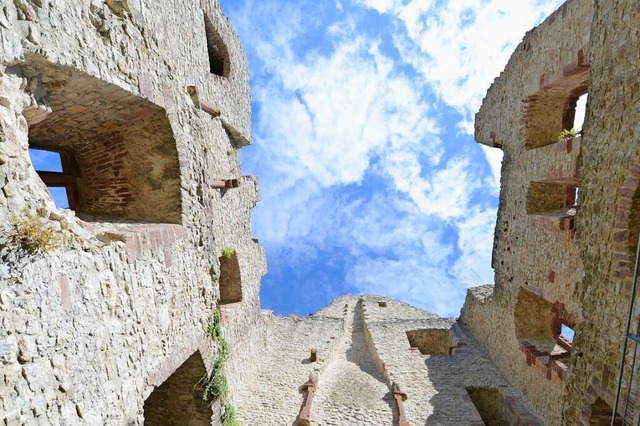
(581, 109)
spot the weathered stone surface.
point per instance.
(547, 254)
(126, 299)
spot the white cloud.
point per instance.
(353, 152)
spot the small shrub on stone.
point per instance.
(567, 134)
(34, 234)
(228, 252)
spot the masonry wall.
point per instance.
(365, 362)
(572, 264)
(125, 300)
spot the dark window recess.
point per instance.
(58, 171)
(111, 153)
(230, 280)
(219, 63)
(180, 399)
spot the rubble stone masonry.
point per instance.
(109, 308)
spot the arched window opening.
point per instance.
(116, 155)
(574, 111)
(555, 109)
(179, 400)
(230, 279)
(219, 62)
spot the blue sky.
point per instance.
(371, 181)
(363, 112)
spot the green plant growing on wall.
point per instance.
(568, 134)
(216, 385)
(34, 234)
(228, 252)
(229, 417)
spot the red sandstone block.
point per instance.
(133, 247)
(566, 223)
(179, 232)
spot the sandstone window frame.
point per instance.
(552, 108)
(218, 55)
(554, 199)
(538, 329)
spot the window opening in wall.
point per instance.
(431, 341)
(544, 331)
(557, 107)
(55, 173)
(117, 158)
(219, 62)
(567, 332)
(230, 279)
(382, 304)
(179, 400)
(574, 110)
(491, 406)
(580, 111)
(557, 199)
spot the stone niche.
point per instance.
(431, 341)
(120, 160)
(491, 405)
(230, 280)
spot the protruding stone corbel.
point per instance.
(314, 355)
(400, 397)
(223, 184)
(210, 109)
(311, 386)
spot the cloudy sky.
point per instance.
(362, 122)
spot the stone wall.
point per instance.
(557, 263)
(126, 88)
(364, 361)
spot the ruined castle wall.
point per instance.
(567, 264)
(364, 348)
(608, 224)
(272, 394)
(438, 375)
(123, 302)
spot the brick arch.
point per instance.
(597, 403)
(627, 226)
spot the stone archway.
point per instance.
(179, 399)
